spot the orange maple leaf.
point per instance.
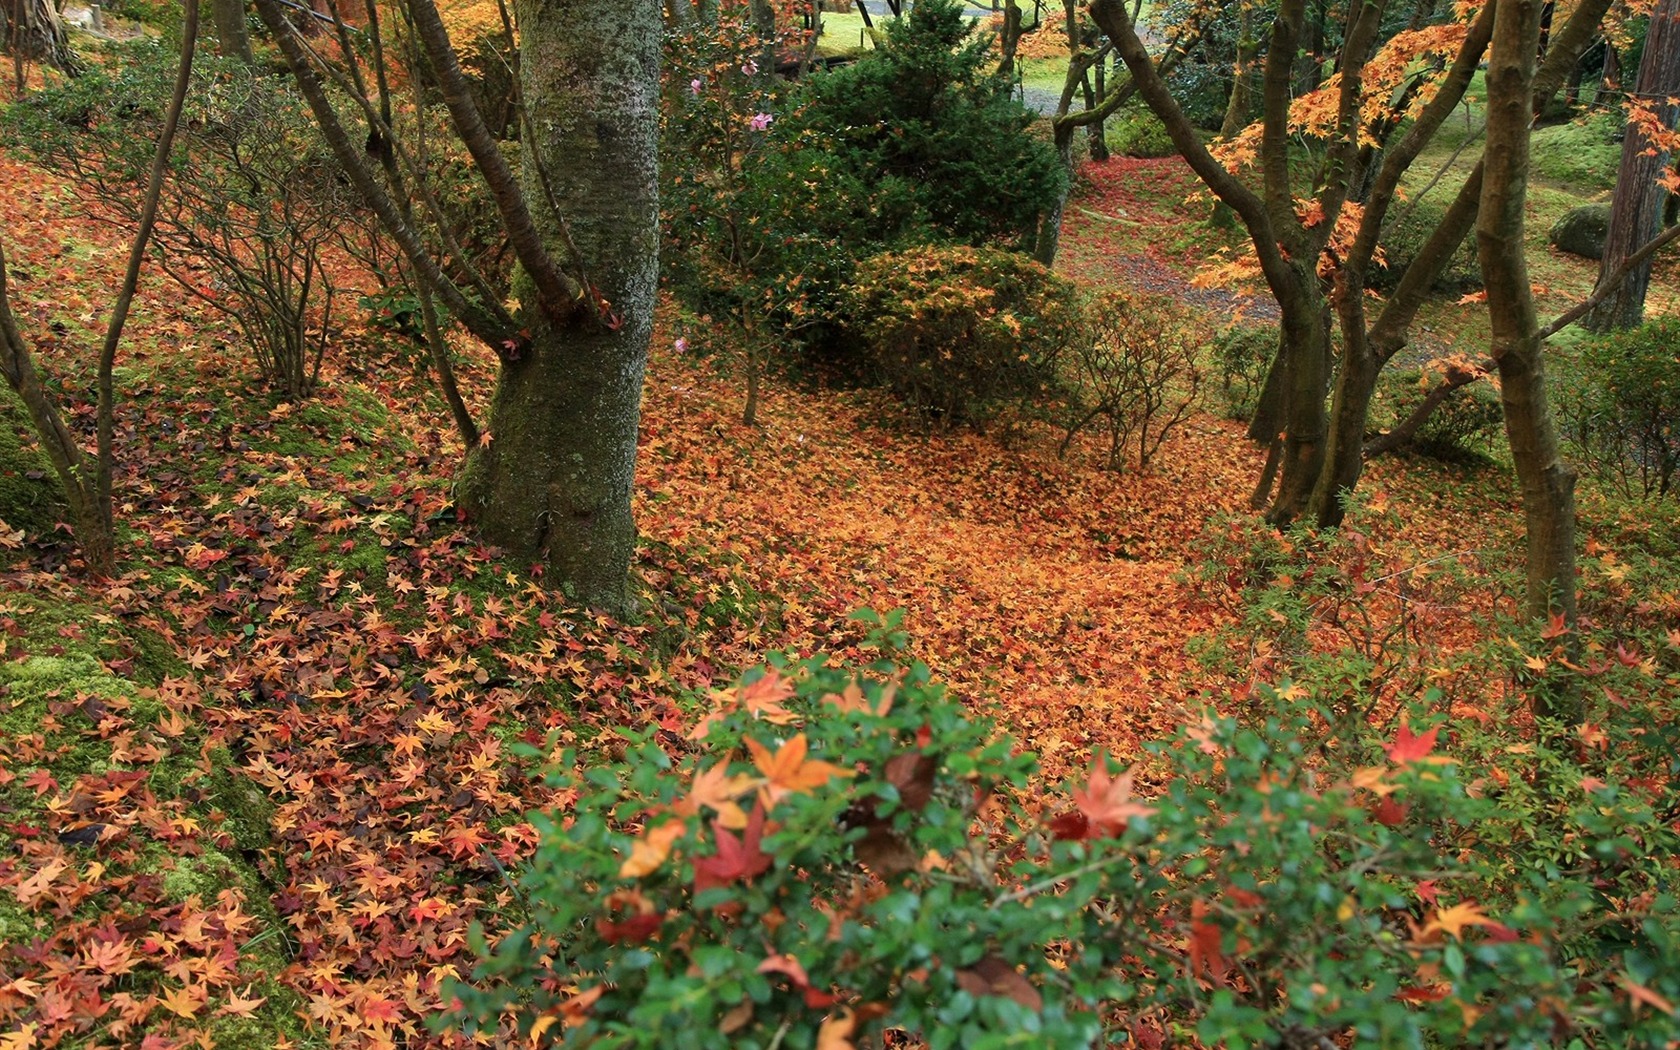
(183, 1001)
(718, 791)
(788, 771)
(239, 1006)
(1453, 920)
(1107, 801)
(651, 849)
(763, 697)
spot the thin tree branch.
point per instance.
(557, 292)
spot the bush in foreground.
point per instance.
(837, 853)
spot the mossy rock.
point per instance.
(30, 496)
(1582, 231)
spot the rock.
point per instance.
(1582, 231)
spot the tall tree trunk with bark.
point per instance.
(550, 479)
(1548, 484)
(32, 31)
(233, 36)
(553, 483)
(1239, 107)
(1636, 207)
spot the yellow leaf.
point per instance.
(1453, 920)
(183, 1002)
(717, 790)
(836, 1032)
(649, 851)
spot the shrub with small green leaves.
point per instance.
(954, 332)
(834, 854)
(1137, 132)
(1242, 355)
(1459, 428)
(1621, 408)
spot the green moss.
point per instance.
(1582, 154)
(30, 496)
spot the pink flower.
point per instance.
(696, 85)
(750, 69)
(680, 345)
(761, 121)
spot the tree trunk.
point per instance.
(1241, 103)
(553, 483)
(233, 36)
(1306, 348)
(1636, 207)
(1547, 483)
(1050, 225)
(32, 31)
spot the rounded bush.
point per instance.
(953, 331)
(1409, 227)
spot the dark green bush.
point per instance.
(954, 332)
(1242, 356)
(1137, 132)
(1410, 224)
(1460, 428)
(1620, 403)
(773, 196)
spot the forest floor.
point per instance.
(254, 789)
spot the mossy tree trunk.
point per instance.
(552, 484)
(1547, 482)
(550, 479)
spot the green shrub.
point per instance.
(841, 852)
(1409, 227)
(1620, 403)
(1137, 132)
(1242, 357)
(1460, 428)
(953, 332)
(772, 197)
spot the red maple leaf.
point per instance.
(1408, 748)
(736, 858)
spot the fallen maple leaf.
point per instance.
(1408, 748)
(183, 1001)
(836, 1032)
(1641, 994)
(238, 1005)
(736, 858)
(1107, 801)
(651, 849)
(718, 791)
(764, 695)
(788, 771)
(1453, 920)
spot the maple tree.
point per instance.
(1314, 251)
(581, 217)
